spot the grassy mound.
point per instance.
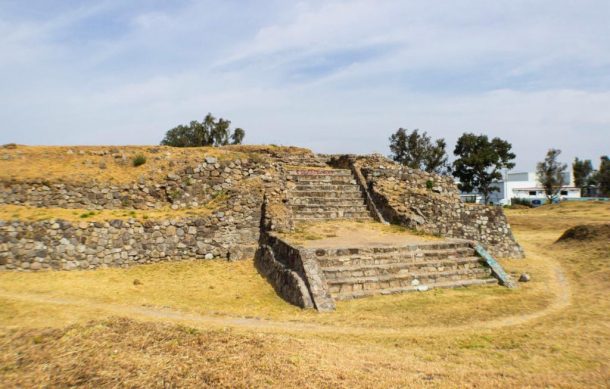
(117, 164)
(586, 232)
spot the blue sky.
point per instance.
(335, 76)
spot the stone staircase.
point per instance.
(361, 272)
(326, 194)
(370, 266)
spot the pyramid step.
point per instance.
(336, 272)
(319, 172)
(329, 194)
(325, 181)
(322, 186)
(340, 209)
(348, 295)
(362, 219)
(420, 248)
(325, 200)
(324, 176)
(405, 279)
(322, 215)
(398, 256)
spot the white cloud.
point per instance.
(332, 75)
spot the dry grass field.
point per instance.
(213, 323)
(113, 164)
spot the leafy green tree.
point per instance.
(180, 136)
(582, 170)
(603, 176)
(417, 151)
(238, 136)
(220, 132)
(209, 132)
(550, 173)
(480, 162)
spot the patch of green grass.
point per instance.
(139, 160)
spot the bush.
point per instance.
(139, 160)
(521, 202)
(429, 184)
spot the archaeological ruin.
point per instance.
(321, 228)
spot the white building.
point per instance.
(524, 186)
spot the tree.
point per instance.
(417, 151)
(603, 176)
(582, 169)
(238, 136)
(550, 174)
(180, 136)
(210, 132)
(480, 162)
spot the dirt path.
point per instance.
(559, 287)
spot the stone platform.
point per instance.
(359, 259)
(324, 262)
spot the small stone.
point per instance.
(235, 254)
(137, 282)
(210, 160)
(524, 277)
(415, 282)
(102, 165)
(209, 256)
(422, 288)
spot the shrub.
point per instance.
(174, 194)
(429, 184)
(520, 201)
(139, 160)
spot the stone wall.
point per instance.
(63, 245)
(294, 273)
(431, 203)
(237, 187)
(287, 282)
(191, 187)
(277, 216)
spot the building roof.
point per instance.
(541, 188)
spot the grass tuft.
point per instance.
(139, 160)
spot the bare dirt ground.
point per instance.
(194, 324)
